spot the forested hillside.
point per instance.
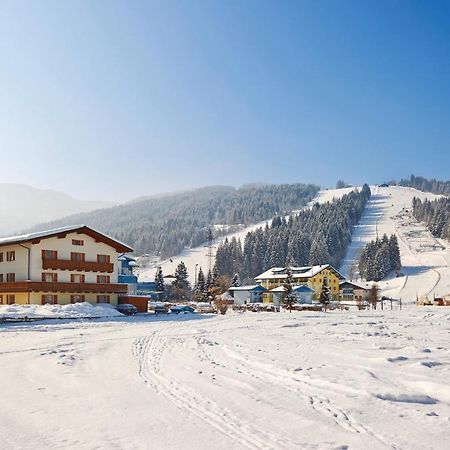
(318, 235)
(435, 214)
(426, 185)
(165, 225)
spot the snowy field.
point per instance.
(341, 380)
(426, 261)
(199, 255)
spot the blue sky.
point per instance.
(113, 100)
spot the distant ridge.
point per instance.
(23, 206)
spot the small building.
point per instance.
(243, 295)
(351, 291)
(126, 275)
(303, 293)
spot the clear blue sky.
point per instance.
(112, 100)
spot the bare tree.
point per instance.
(373, 295)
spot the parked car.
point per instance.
(182, 309)
(158, 307)
(127, 309)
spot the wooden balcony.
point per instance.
(80, 266)
(43, 286)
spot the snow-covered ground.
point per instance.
(198, 256)
(340, 380)
(426, 261)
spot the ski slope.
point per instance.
(426, 260)
(368, 380)
(198, 256)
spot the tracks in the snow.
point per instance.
(149, 351)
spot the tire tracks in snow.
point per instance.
(149, 351)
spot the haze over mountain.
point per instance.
(24, 206)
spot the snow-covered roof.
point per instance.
(253, 288)
(303, 272)
(301, 288)
(126, 258)
(357, 285)
(81, 229)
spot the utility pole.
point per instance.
(195, 276)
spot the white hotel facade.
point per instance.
(61, 266)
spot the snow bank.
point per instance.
(59, 311)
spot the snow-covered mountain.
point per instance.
(23, 206)
(426, 260)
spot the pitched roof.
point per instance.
(35, 238)
(358, 285)
(252, 288)
(303, 272)
(301, 288)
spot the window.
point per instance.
(49, 277)
(49, 299)
(49, 254)
(10, 299)
(1, 278)
(102, 298)
(103, 258)
(77, 298)
(103, 279)
(1, 257)
(77, 278)
(11, 256)
(1, 299)
(77, 256)
(77, 242)
(10, 277)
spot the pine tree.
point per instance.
(325, 294)
(159, 279)
(319, 252)
(180, 286)
(289, 298)
(201, 284)
(235, 281)
(394, 251)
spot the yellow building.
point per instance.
(311, 276)
(62, 266)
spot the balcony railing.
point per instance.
(43, 286)
(80, 266)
